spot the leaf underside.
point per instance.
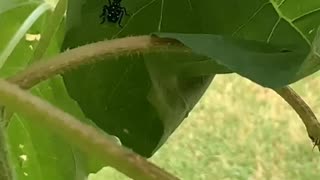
(142, 99)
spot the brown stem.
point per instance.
(84, 136)
(304, 111)
(92, 53)
(123, 160)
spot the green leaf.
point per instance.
(116, 94)
(124, 101)
(21, 30)
(252, 59)
(49, 32)
(133, 99)
(40, 154)
(278, 23)
(37, 152)
(10, 5)
(171, 94)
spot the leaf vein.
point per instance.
(250, 19)
(273, 29)
(306, 14)
(161, 15)
(131, 17)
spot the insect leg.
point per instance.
(120, 18)
(104, 10)
(109, 2)
(125, 11)
(103, 20)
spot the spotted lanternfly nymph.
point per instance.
(113, 12)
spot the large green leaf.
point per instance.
(141, 103)
(252, 59)
(120, 96)
(260, 38)
(123, 102)
(38, 153)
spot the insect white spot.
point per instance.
(25, 174)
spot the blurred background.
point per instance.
(240, 131)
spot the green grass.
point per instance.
(240, 131)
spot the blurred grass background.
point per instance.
(240, 131)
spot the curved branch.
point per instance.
(304, 111)
(92, 53)
(140, 44)
(84, 136)
(104, 50)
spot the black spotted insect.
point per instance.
(113, 12)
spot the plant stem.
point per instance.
(84, 136)
(142, 44)
(304, 111)
(6, 172)
(107, 50)
(92, 53)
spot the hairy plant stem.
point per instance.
(92, 53)
(84, 136)
(125, 161)
(128, 163)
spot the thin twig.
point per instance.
(304, 111)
